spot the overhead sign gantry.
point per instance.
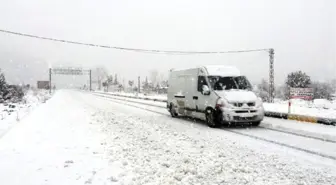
(69, 71)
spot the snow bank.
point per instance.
(318, 108)
(10, 113)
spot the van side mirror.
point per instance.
(205, 90)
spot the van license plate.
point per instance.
(245, 115)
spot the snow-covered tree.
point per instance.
(130, 83)
(116, 80)
(298, 79)
(2, 82)
(164, 83)
(281, 92)
(262, 90)
(333, 84)
(145, 84)
(99, 73)
(109, 81)
(322, 90)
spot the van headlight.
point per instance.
(259, 103)
(221, 102)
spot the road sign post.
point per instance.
(271, 75)
(50, 80)
(90, 74)
(139, 84)
(299, 93)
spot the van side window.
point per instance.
(201, 82)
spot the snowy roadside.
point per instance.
(11, 113)
(56, 144)
(299, 109)
(319, 108)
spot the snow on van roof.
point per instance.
(221, 70)
(215, 70)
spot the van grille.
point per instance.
(238, 118)
(238, 104)
(250, 104)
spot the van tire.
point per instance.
(211, 118)
(172, 111)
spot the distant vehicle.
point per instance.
(220, 93)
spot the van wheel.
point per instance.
(172, 111)
(212, 118)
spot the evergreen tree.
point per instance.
(298, 79)
(3, 85)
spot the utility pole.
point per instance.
(99, 81)
(50, 80)
(124, 87)
(271, 75)
(90, 80)
(138, 84)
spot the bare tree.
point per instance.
(322, 90)
(154, 74)
(116, 82)
(130, 83)
(100, 73)
(262, 90)
(109, 81)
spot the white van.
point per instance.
(220, 93)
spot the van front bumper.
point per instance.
(243, 115)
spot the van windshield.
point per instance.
(219, 83)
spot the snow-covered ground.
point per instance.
(79, 138)
(319, 108)
(11, 113)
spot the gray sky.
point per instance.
(302, 32)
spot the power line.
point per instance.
(151, 51)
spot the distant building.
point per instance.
(43, 84)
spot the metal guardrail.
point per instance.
(279, 115)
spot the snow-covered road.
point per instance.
(79, 138)
(323, 132)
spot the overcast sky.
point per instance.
(302, 32)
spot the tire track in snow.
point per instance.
(117, 100)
